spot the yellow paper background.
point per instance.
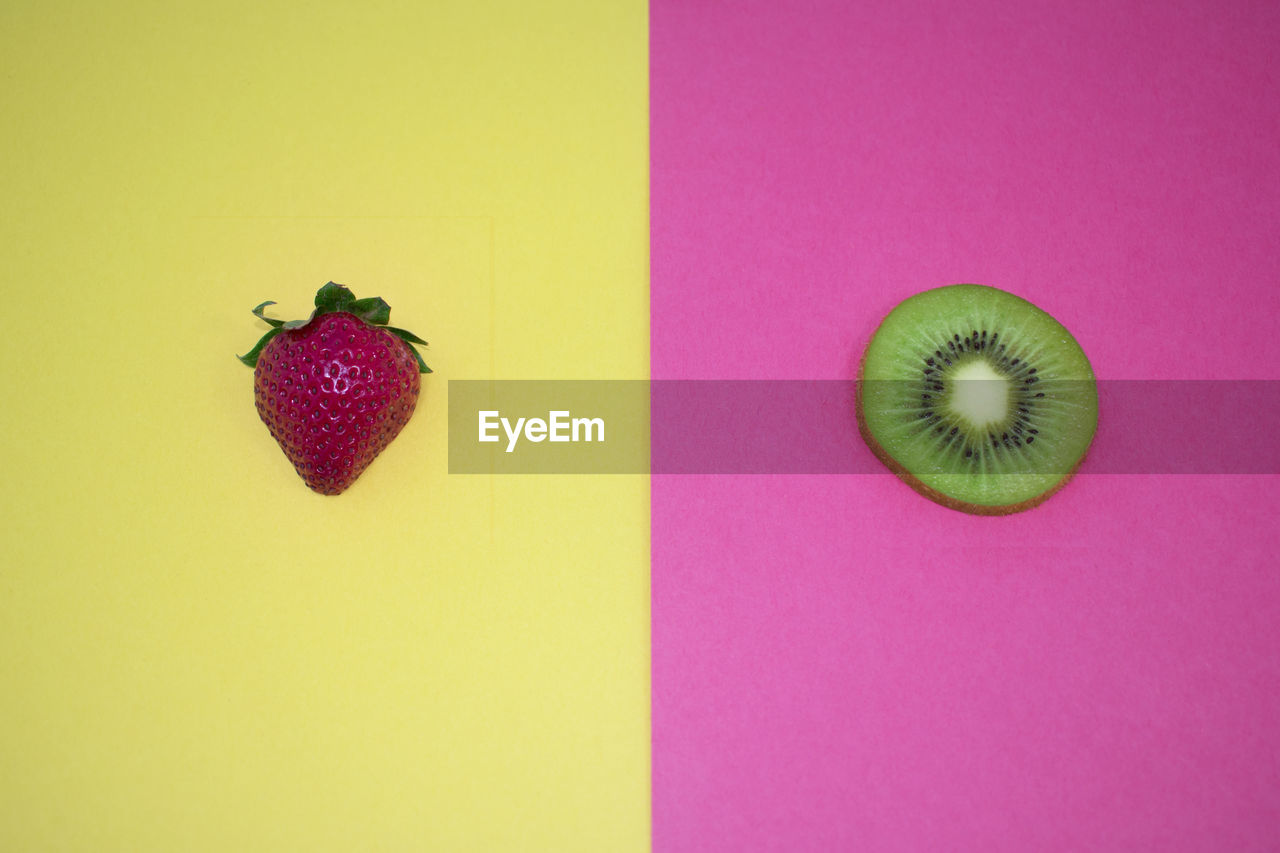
(196, 652)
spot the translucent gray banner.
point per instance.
(810, 427)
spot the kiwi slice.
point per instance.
(976, 398)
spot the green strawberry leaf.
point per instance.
(406, 335)
(410, 339)
(251, 357)
(422, 365)
(271, 321)
(372, 309)
(333, 297)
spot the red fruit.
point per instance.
(335, 389)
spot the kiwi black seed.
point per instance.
(976, 398)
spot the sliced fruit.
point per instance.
(977, 399)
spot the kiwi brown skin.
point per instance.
(928, 491)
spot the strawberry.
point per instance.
(336, 388)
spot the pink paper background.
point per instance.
(839, 663)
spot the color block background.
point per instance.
(196, 652)
(840, 664)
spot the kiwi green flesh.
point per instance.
(978, 398)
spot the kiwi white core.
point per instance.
(979, 393)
